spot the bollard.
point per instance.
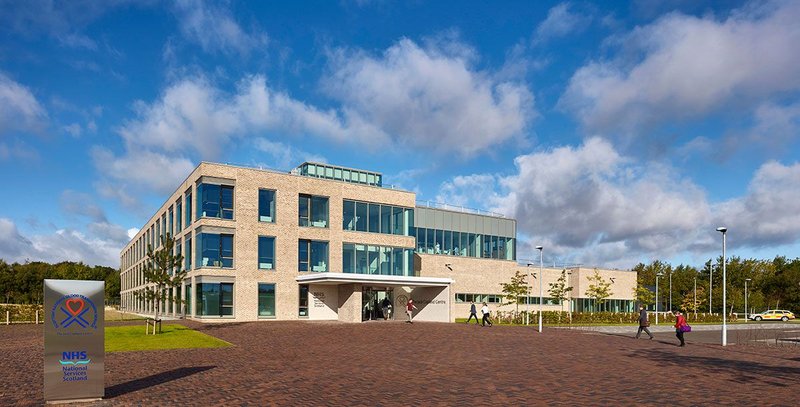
(8, 317)
(37, 317)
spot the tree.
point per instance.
(162, 273)
(643, 295)
(690, 305)
(518, 287)
(559, 290)
(599, 289)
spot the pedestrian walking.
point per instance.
(473, 313)
(485, 312)
(643, 323)
(386, 305)
(681, 327)
(410, 307)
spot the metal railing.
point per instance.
(458, 208)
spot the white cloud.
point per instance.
(430, 98)
(560, 22)
(142, 169)
(74, 130)
(19, 109)
(769, 213)
(683, 67)
(132, 232)
(215, 29)
(81, 204)
(62, 245)
(283, 156)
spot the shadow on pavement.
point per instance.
(153, 380)
(742, 370)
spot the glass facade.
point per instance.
(188, 258)
(215, 201)
(609, 305)
(170, 231)
(188, 209)
(266, 252)
(266, 300)
(214, 299)
(383, 260)
(302, 309)
(312, 255)
(179, 215)
(216, 250)
(313, 211)
(377, 218)
(318, 170)
(266, 205)
(447, 242)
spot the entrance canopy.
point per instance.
(373, 279)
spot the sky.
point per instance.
(614, 132)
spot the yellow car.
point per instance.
(773, 315)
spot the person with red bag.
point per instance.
(681, 327)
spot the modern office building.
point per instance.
(324, 242)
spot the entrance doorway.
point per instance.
(373, 301)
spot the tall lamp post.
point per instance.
(724, 231)
(710, 278)
(569, 278)
(541, 277)
(659, 274)
(695, 297)
(670, 290)
(745, 298)
(528, 296)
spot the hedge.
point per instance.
(579, 318)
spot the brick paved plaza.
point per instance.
(307, 363)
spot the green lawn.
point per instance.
(173, 336)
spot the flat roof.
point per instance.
(377, 279)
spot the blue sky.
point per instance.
(614, 133)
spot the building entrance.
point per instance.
(377, 303)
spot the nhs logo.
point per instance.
(74, 358)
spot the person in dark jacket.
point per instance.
(473, 313)
(643, 323)
(680, 323)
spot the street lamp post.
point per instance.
(724, 231)
(569, 279)
(745, 299)
(710, 277)
(541, 277)
(528, 296)
(695, 297)
(659, 274)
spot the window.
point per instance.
(188, 258)
(158, 234)
(348, 215)
(372, 259)
(216, 201)
(266, 252)
(303, 303)
(397, 221)
(266, 300)
(188, 209)
(386, 219)
(216, 250)
(171, 230)
(266, 205)
(374, 219)
(361, 216)
(179, 215)
(313, 211)
(214, 299)
(348, 258)
(361, 259)
(312, 255)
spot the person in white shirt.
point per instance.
(485, 312)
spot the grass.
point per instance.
(173, 336)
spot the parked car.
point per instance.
(773, 315)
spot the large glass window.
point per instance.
(361, 259)
(448, 242)
(313, 255)
(216, 201)
(171, 230)
(397, 221)
(313, 211)
(188, 258)
(266, 300)
(266, 205)
(214, 299)
(372, 259)
(348, 215)
(374, 218)
(397, 261)
(266, 252)
(188, 209)
(361, 216)
(216, 250)
(348, 258)
(439, 247)
(179, 215)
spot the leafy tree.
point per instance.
(599, 289)
(162, 273)
(643, 295)
(690, 305)
(559, 290)
(518, 287)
